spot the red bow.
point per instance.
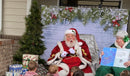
(53, 16)
(115, 22)
(69, 8)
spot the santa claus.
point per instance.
(71, 52)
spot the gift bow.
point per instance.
(115, 22)
(126, 39)
(53, 16)
(69, 8)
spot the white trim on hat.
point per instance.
(70, 32)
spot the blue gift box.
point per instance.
(16, 70)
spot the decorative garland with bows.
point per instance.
(110, 18)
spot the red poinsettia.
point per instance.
(69, 8)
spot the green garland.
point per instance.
(104, 15)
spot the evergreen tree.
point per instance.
(31, 42)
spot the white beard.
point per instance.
(70, 43)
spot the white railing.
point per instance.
(0, 15)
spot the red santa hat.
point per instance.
(122, 33)
(75, 32)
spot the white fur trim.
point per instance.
(64, 66)
(63, 54)
(53, 60)
(72, 51)
(60, 46)
(65, 70)
(126, 43)
(70, 32)
(83, 60)
(62, 73)
(89, 74)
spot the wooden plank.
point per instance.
(111, 0)
(110, 3)
(15, 0)
(14, 18)
(14, 25)
(90, 0)
(49, 2)
(115, 3)
(15, 11)
(88, 3)
(15, 32)
(15, 5)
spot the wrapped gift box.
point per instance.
(16, 70)
(13, 74)
(9, 74)
(22, 73)
(27, 58)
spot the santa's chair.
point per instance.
(93, 48)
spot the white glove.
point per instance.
(72, 51)
(64, 53)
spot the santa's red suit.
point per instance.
(81, 58)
